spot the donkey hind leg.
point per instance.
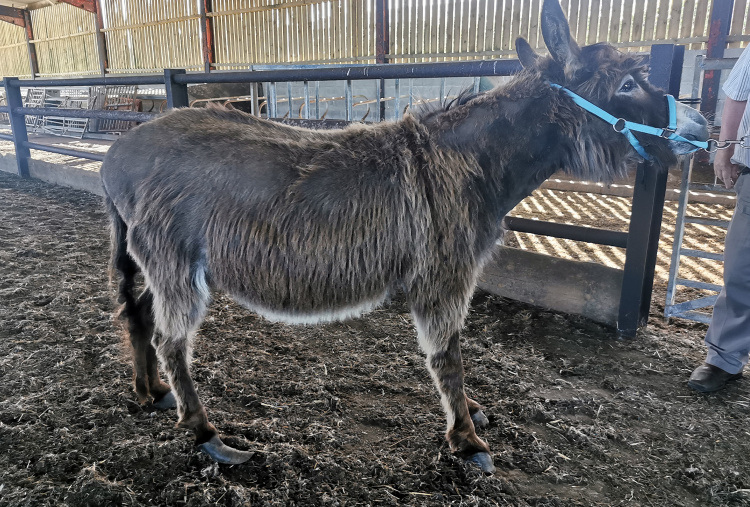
(477, 416)
(446, 368)
(145, 364)
(138, 312)
(176, 324)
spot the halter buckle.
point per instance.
(667, 132)
(619, 125)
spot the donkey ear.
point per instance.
(527, 55)
(556, 33)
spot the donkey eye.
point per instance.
(627, 86)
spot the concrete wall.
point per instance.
(57, 174)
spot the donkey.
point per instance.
(307, 226)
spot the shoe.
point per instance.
(708, 378)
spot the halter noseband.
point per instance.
(625, 127)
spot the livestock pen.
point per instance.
(344, 414)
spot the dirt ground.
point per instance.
(346, 414)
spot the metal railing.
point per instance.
(640, 241)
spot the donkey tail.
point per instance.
(121, 263)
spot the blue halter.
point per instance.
(626, 127)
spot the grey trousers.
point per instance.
(728, 336)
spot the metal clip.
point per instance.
(666, 132)
(619, 125)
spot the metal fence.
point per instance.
(640, 241)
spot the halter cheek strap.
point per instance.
(627, 127)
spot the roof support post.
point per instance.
(207, 35)
(382, 44)
(101, 40)
(33, 60)
(720, 23)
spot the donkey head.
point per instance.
(615, 82)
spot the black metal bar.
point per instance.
(648, 207)
(65, 151)
(156, 79)
(4, 109)
(18, 126)
(566, 231)
(85, 113)
(177, 95)
(384, 71)
(6, 137)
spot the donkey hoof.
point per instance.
(222, 453)
(483, 460)
(166, 402)
(479, 419)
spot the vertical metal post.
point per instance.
(397, 99)
(177, 95)
(317, 100)
(349, 101)
(411, 93)
(101, 39)
(18, 125)
(289, 98)
(254, 110)
(378, 102)
(648, 207)
(271, 100)
(306, 85)
(382, 48)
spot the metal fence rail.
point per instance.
(648, 200)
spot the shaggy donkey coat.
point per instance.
(310, 226)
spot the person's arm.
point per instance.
(724, 169)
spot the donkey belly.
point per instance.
(279, 313)
(307, 288)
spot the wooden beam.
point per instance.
(101, 40)
(86, 5)
(33, 60)
(207, 35)
(12, 15)
(582, 288)
(382, 31)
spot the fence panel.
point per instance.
(65, 40)
(14, 55)
(151, 35)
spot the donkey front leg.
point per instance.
(176, 328)
(445, 366)
(174, 354)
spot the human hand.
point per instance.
(724, 169)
